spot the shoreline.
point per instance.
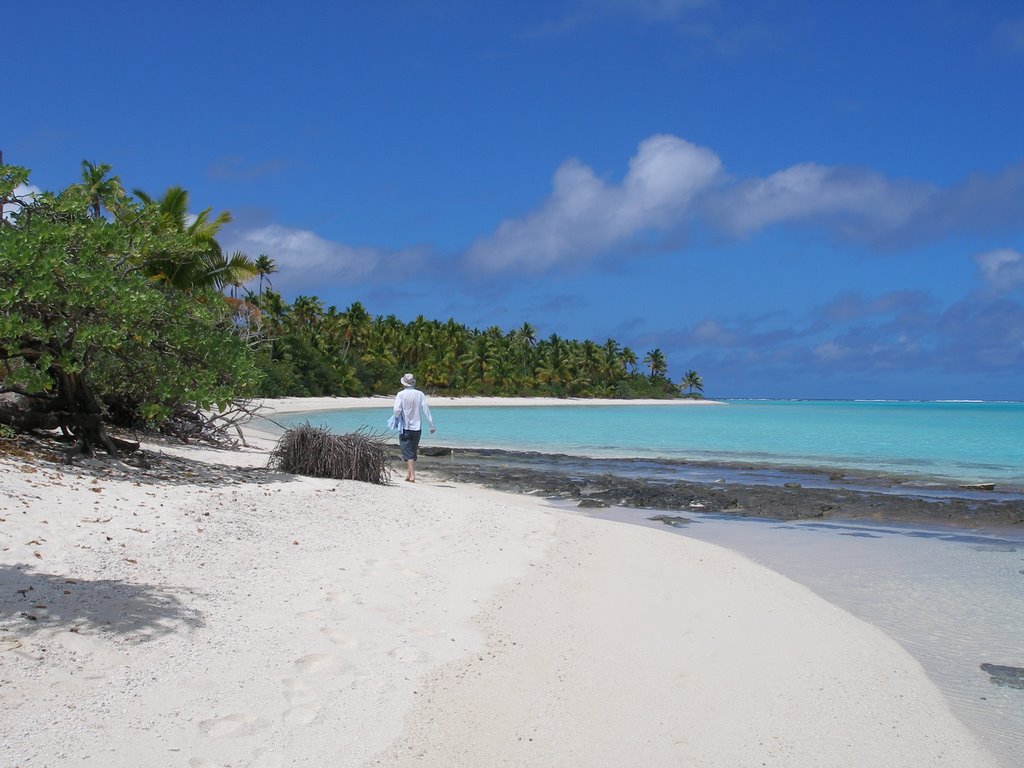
(292, 405)
(793, 495)
(207, 611)
(743, 489)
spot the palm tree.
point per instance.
(354, 324)
(236, 270)
(204, 266)
(307, 311)
(655, 360)
(100, 188)
(629, 359)
(265, 266)
(692, 381)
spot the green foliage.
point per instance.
(302, 370)
(693, 384)
(313, 351)
(82, 319)
(117, 299)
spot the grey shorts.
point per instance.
(409, 440)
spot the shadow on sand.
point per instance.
(31, 601)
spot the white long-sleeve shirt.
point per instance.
(408, 403)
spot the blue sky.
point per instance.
(796, 199)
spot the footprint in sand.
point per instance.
(339, 638)
(313, 662)
(297, 692)
(301, 714)
(413, 549)
(339, 598)
(537, 535)
(374, 567)
(406, 653)
(231, 725)
(321, 663)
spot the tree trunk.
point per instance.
(80, 412)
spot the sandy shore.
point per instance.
(303, 404)
(207, 612)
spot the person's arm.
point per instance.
(398, 404)
(426, 412)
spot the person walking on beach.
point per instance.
(408, 404)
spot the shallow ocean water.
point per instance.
(924, 442)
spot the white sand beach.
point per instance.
(310, 404)
(208, 613)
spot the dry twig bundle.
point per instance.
(316, 452)
(213, 427)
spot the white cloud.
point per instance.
(672, 182)
(1002, 269)
(585, 215)
(656, 10)
(830, 351)
(850, 197)
(305, 260)
(25, 192)
(711, 332)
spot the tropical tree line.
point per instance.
(313, 350)
(122, 306)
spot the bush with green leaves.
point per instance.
(85, 323)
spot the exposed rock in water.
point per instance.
(588, 503)
(674, 520)
(1004, 676)
(980, 487)
(600, 484)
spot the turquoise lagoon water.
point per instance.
(941, 442)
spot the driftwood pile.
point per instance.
(316, 452)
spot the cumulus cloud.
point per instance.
(1001, 269)
(981, 203)
(672, 184)
(305, 259)
(864, 205)
(849, 199)
(585, 215)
